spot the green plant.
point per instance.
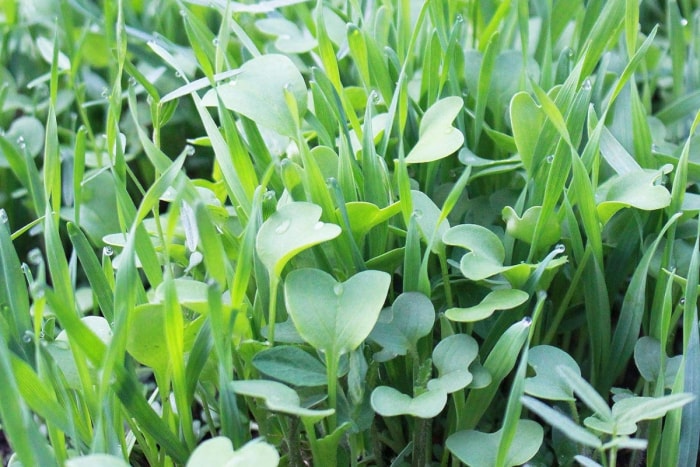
(349, 232)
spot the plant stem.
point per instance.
(420, 442)
(272, 317)
(293, 445)
(332, 377)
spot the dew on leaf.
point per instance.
(283, 227)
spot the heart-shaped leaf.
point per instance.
(398, 330)
(364, 216)
(634, 189)
(388, 402)
(647, 357)
(500, 299)
(277, 397)
(437, 137)
(291, 365)
(427, 215)
(290, 39)
(291, 229)
(548, 383)
(452, 357)
(27, 133)
(258, 92)
(103, 460)
(478, 449)
(219, 451)
(335, 317)
(523, 228)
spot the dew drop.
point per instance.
(570, 53)
(560, 248)
(550, 159)
(418, 213)
(374, 95)
(338, 289)
(219, 230)
(132, 81)
(215, 41)
(42, 335)
(21, 143)
(183, 12)
(527, 321)
(104, 93)
(319, 225)
(27, 337)
(587, 85)
(189, 150)
(3, 216)
(682, 301)
(283, 227)
(178, 74)
(269, 195)
(684, 22)
(107, 251)
(459, 19)
(655, 148)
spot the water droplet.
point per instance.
(269, 195)
(682, 301)
(178, 74)
(215, 41)
(319, 225)
(550, 159)
(104, 93)
(189, 150)
(3, 216)
(219, 230)
(655, 148)
(570, 53)
(684, 22)
(587, 85)
(418, 213)
(560, 248)
(183, 12)
(232, 82)
(338, 289)
(21, 143)
(107, 251)
(283, 227)
(27, 337)
(132, 81)
(527, 321)
(42, 335)
(34, 256)
(374, 95)
(459, 19)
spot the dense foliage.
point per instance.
(350, 232)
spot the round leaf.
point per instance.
(478, 449)
(452, 357)
(293, 228)
(103, 460)
(548, 383)
(291, 365)
(277, 397)
(634, 189)
(335, 317)
(523, 228)
(219, 451)
(258, 92)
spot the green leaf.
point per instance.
(438, 138)
(277, 397)
(293, 228)
(399, 328)
(258, 92)
(28, 134)
(478, 449)
(523, 228)
(291, 365)
(633, 189)
(219, 451)
(335, 317)
(647, 357)
(562, 423)
(527, 119)
(364, 216)
(452, 357)
(636, 409)
(388, 402)
(500, 299)
(103, 460)
(585, 392)
(290, 39)
(548, 382)
(427, 215)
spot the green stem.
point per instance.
(332, 377)
(274, 284)
(420, 443)
(295, 459)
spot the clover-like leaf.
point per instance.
(291, 365)
(388, 402)
(478, 449)
(437, 137)
(548, 382)
(647, 357)
(452, 357)
(290, 39)
(364, 216)
(292, 228)
(636, 189)
(219, 451)
(399, 328)
(258, 92)
(523, 228)
(500, 299)
(527, 119)
(335, 317)
(278, 397)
